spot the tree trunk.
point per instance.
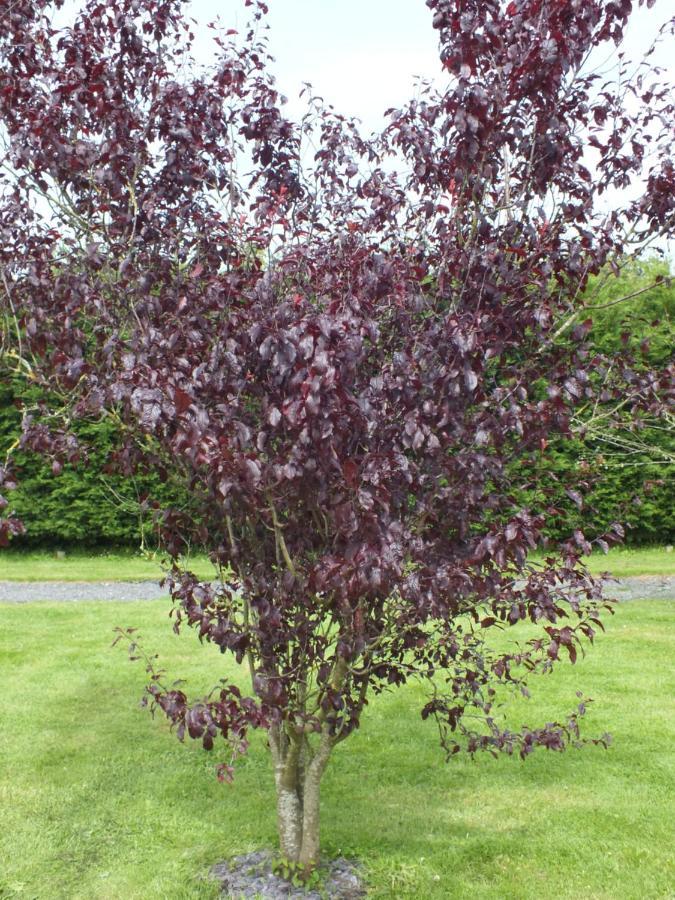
(289, 820)
(297, 774)
(309, 853)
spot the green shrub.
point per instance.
(639, 494)
(80, 506)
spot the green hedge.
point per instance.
(640, 495)
(635, 489)
(81, 506)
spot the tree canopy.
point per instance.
(352, 351)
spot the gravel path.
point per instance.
(651, 587)
(643, 587)
(72, 591)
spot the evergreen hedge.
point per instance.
(637, 489)
(82, 506)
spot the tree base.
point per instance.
(251, 875)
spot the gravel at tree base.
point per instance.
(251, 876)
(642, 587)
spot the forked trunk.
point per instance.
(298, 771)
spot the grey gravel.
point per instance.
(251, 876)
(643, 587)
(72, 591)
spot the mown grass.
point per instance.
(111, 565)
(101, 801)
(122, 565)
(625, 562)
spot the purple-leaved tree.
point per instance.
(351, 351)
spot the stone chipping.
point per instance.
(642, 587)
(251, 875)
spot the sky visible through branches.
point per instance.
(364, 58)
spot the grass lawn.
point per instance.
(624, 562)
(129, 566)
(101, 801)
(117, 565)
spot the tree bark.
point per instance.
(297, 774)
(286, 759)
(289, 817)
(309, 851)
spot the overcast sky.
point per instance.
(360, 55)
(363, 55)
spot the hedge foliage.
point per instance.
(636, 488)
(83, 506)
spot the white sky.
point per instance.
(362, 55)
